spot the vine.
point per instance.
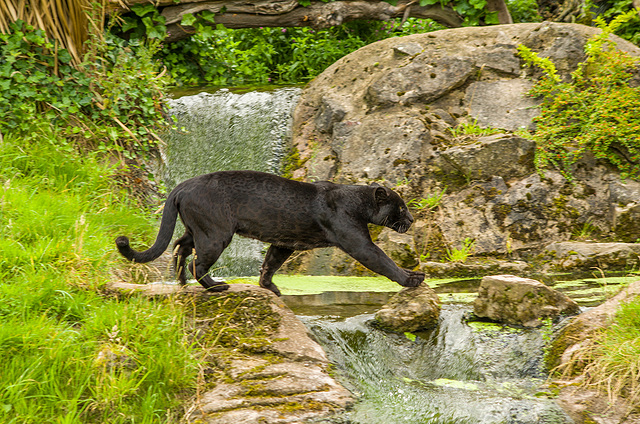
(112, 100)
(598, 111)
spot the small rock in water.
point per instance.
(520, 301)
(411, 309)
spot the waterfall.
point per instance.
(452, 374)
(227, 131)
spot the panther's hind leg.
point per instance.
(207, 253)
(182, 249)
(273, 260)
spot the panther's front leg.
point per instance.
(359, 246)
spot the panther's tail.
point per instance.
(167, 225)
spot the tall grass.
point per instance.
(609, 361)
(70, 354)
(613, 361)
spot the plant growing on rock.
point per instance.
(598, 111)
(432, 201)
(461, 255)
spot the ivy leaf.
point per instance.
(188, 19)
(208, 16)
(478, 4)
(491, 18)
(143, 9)
(428, 2)
(129, 23)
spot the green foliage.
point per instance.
(112, 100)
(462, 254)
(70, 354)
(610, 10)
(612, 362)
(430, 202)
(524, 11)
(221, 56)
(467, 131)
(597, 111)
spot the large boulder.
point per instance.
(411, 309)
(279, 378)
(520, 301)
(393, 112)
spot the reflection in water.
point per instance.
(453, 374)
(341, 303)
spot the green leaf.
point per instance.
(208, 16)
(188, 19)
(410, 336)
(143, 9)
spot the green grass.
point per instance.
(69, 353)
(611, 362)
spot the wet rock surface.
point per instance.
(411, 309)
(520, 301)
(284, 382)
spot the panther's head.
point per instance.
(391, 210)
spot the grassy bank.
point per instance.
(70, 354)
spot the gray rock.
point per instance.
(411, 309)
(583, 255)
(398, 247)
(503, 155)
(474, 269)
(520, 301)
(391, 111)
(580, 401)
(256, 387)
(423, 80)
(502, 104)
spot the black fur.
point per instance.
(290, 215)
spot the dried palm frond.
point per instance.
(64, 21)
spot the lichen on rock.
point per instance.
(520, 301)
(411, 309)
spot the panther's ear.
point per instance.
(380, 194)
(375, 185)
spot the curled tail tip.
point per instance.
(122, 241)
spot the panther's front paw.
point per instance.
(414, 278)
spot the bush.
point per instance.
(597, 111)
(223, 56)
(113, 100)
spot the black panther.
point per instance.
(290, 215)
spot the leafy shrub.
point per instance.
(524, 11)
(221, 56)
(629, 29)
(597, 111)
(112, 100)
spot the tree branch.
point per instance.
(289, 13)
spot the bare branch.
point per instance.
(288, 13)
